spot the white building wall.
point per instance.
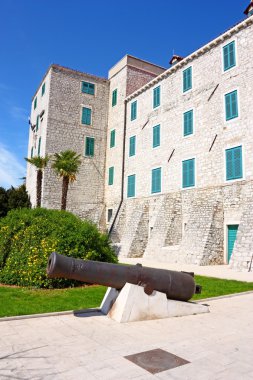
(34, 136)
(209, 121)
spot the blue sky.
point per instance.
(89, 36)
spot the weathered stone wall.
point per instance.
(64, 130)
(136, 78)
(209, 121)
(188, 227)
(126, 76)
(176, 225)
(242, 257)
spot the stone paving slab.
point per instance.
(219, 271)
(218, 345)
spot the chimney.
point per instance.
(176, 58)
(249, 10)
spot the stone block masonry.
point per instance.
(188, 227)
(186, 218)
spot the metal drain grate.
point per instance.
(157, 360)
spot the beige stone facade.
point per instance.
(176, 222)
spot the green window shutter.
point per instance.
(156, 136)
(32, 152)
(37, 122)
(188, 173)
(111, 175)
(39, 146)
(187, 79)
(156, 97)
(35, 103)
(131, 186)
(133, 110)
(188, 123)
(234, 163)
(89, 146)
(88, 88)
(112, 138)
(231, 105)
(226, 57)
(229, 59)
(114, 97)
(156, 181)
(86, 116)
(43, 89)
(132, 143)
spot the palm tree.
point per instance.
(66, 165)
(40, 163)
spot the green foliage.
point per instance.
(3, 202)
(18, 198)
(28, 236)
(13, 198)
(66, 164)
(39, 162)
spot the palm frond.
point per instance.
(39, 162)
(66, 164)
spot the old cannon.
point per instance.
(176, 285)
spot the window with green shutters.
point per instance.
(86, 116)
(35, 103)
(133, 110)
(229, 59)
(39, 145)
(88, 88)
(131, 186)
(234, 163)
(43, 89)
(156, 136)
(114, 97)
(112, 138)
(188, 123)
(37, 122)
(188, 173)
(231, 105)
(156, 97)
(111, 175)
(156, 180)
(132, 143)
(89, 146)
(187, 79)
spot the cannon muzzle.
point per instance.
(176, 285)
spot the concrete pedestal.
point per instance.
(132, 304)
(108, 300)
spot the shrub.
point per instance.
(28, 236)
(13, 198)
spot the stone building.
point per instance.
(167, 154)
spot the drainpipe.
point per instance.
(122, 170)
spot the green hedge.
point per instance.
(27, 237)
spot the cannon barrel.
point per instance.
(176, 285)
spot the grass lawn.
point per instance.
(21, 301)
(214, 287)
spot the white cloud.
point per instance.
(10, 169)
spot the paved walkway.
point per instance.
(218, 345)
(219, 271)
